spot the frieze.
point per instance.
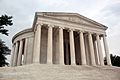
(77, 20)
(73, 19)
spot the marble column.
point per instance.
(96, 52)
(37, 42)
(19, 60)
(15, 54)
(49, 45)
(106, 51)
(61, 46)
(72, 47)
(100, 50)
(29, 57)
(12, 55)
(87, 49)
(25, 51)
(82, 48)
(91, 49)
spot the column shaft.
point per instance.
(106, 51)
(72, 47)
(49, 46)
(15, 54)
(61, 47)
(37, 42)
(12, 55)
(100, 51)
(91, 49)
(20, 53)
(25, 51)
(96, 53)
(82, 48)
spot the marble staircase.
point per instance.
(59, 72)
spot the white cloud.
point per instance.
(109, 15)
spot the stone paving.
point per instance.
(59, 72)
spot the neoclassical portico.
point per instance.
(61, 38)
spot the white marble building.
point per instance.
(61, 38)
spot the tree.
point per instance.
(4, 50)
(115, 60)
(5, 21)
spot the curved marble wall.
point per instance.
(22, 48)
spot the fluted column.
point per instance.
(91, 49)
(96, 53)
(72, 47)
(20, 53)
(100, 50)
(106, 51)
(37, 42)
(12, 55)
(49, 45)
(82, 48)
(61, 47)
(15, 54)
(25, 51)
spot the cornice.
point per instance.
(79, 23)
(22, 32)
(52, 14)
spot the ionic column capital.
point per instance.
(104, 35)
(97, 35)
(89, 33)
(36, 26)
(70, 29)
(50, 26)
(61, 27)
(39, 24)
(81, 31)
(21, 40)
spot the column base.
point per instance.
(73, 64)
(109, 65)
(49, 63)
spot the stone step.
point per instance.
(59, 72)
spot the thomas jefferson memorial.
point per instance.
(60, 46)
(61, 39)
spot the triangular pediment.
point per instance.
(73, 17)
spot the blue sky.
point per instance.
(106, 12)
